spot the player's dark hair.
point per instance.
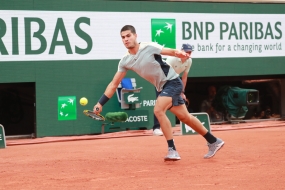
(129, 27)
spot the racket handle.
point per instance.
(97, 109)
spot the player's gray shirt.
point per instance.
(149, 65)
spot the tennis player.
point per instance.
(180, 65)
(145, 59)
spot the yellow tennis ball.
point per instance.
(83, 101)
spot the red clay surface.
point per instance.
(250, 159)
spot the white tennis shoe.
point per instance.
(172, 155)
(157, 132)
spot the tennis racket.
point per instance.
(94, 116)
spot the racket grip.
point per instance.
(97, 109)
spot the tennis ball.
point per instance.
(83, 101)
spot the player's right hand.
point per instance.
(97, 108)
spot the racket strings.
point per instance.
(93, 115)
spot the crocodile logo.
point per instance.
(132, 99)
(188, 129)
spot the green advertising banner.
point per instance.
(203, 118)
(137, 118)
(2, 137)
(66, 107)
(163, 32)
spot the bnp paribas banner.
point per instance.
(63, 35)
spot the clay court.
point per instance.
(250, 159)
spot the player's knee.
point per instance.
(158, 112)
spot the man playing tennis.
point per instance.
(180, 66)
(145, 59)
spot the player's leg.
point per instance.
(171, 90)
(161, 105)
(184, 116)
(156, 125)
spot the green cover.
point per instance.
(235, 101)
(116, 116)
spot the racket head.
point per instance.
(92, 115)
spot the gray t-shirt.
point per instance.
(149, 65)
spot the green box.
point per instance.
(203, 118)
(136, 119)
(2, 137)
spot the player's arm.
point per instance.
(113, 85)
(174, 52)
(185, 73)
(184, 79)
(109, 92)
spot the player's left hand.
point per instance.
(186, 102)
(183, 96)
(182, 54)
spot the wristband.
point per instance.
(103, 99)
